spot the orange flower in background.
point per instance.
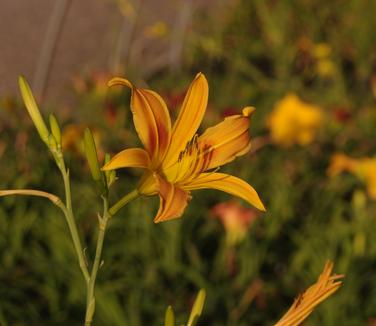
(175, 159)
(364, 168)
(95, 83)
(236, 220)
(72, 139)
(294, 121)
(304, 304)
(340, 163)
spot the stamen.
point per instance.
(180, 157)
(193, 160)
(190, 148)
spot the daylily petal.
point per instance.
(151, 119)
(162, 119)
(189, 119)
(229, 184)
(131, 157)
(172, 201)
(228, 139)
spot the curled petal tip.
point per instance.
(200, 75)
(119, 81)
(248, 111)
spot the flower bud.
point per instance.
(197, 308)
(169, 317)
(55, 129)
(33, 110)
(52, 144)
(91, 155)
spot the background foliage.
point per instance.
(252, 52)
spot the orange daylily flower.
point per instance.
(305, 303)
(175, 159)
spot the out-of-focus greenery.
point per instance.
(253, 53)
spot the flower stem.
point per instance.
(123, 201)
(69, 216)
(90, 300)
(31, 192)
(102, 221)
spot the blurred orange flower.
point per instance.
(236, 220)
(72, 139)
(294, 121)
(363, 168)
(95, 84)
(340, 163)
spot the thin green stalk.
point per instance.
(103, 220)
(31, 192)
(68, 212)
(123, 201)
(90, 302)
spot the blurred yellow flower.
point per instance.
(325, 68)
(304, 304)
(294, 121)
(364, 168)
(175, 159)
(324, 64)
(322, 50)
(236, 220)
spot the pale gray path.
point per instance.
(89, 40)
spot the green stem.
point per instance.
(90, 301)
(31, 192)
(123, 201)
(103, 220)
(68, 212)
